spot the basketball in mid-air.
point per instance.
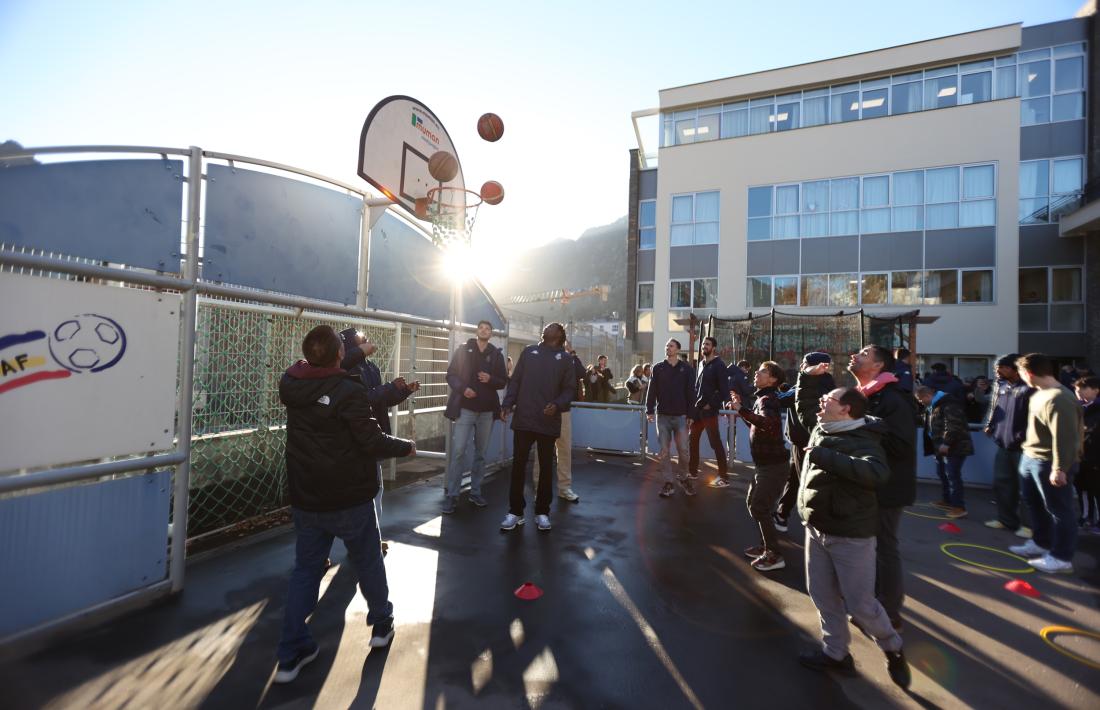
(492, 192)
(443, 166)
(490, 127)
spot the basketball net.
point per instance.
(452, 213)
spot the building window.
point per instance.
(874, 289)
(815, 290)
(647, 224)
(695, 219)
(760, 292)
(694, 294)
(645, 296)
(1050, 189)
(906, 287)
(1050, 83)
(937, 287)
(912, 200)
(1052, 299)
(976, 286)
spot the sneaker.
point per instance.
(769, 561)
(543, 522)
(1024, 532)
(755, 551)
(288, 671)
(820, 661)
(955, 512)
(780, 522)
(667, 490)
(688, 486)
(898, 668)
(448, 505)
(719, 482)
(569, 495)
(693, 476)
(941, 504)
(511, 521)
(477, 500)
(1028, 550)
(382, 633)
(1051, 565)
(995, 524)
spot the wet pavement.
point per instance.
(648, 603)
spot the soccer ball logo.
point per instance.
(88, 343)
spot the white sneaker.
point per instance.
(1028, 550)
(543, 522)
(1024, 532)
(511, 521)
(569, 495)
(1051, 565)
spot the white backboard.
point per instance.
(86, 371)
(398, 138)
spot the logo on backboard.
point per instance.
(427, 133)
(86, 343)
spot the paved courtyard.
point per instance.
(648, 604)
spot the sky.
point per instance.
(293, 82)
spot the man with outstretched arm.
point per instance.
(668, 402)
(332, 443)
(541, 387)
(475, 373)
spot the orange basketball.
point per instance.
(492, 192)
(443, 166)
(490, 127)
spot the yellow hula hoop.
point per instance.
(944, 548)
(1048, 631)
(929, 517)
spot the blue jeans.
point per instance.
(671, 428)
(358, 528)
(1053, 513)
(480, 426)
(950, 471)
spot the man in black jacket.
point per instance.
(332, 443)
(711, 390)
(1006, 425)
(357, 350)
(844, 465)
(802, 405)
(563, 445)
(668, 403)
(475, 373)
(540, 389)
(873, 368)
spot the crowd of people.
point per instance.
(844, 458)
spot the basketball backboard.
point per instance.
(399, 137)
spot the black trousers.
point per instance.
(521, 445)
(789, 501)
(715, 437)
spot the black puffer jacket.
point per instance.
(836, 493)
(898, 411)
(945, 425)
(332, 441)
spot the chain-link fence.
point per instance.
(238, 464)
(786, 337)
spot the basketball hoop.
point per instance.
(452, 212)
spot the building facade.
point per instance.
(929, 176)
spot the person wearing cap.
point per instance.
(802, 406)
(1006, 425)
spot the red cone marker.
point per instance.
(1022, 588)
(950, 528)
(528, 591)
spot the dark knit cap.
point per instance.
(816, 358)
(1008, 360)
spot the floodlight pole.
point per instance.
(373, 209)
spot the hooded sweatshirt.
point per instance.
(332, 441)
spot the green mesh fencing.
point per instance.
(786, 337)
(238, 467)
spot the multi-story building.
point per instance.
(929, 176)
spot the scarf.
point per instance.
(841, 426)
(876, 384)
